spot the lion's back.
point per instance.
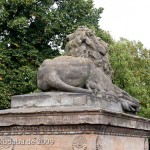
(73, 71)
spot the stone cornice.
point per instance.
(72, 116)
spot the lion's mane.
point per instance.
(84, 43)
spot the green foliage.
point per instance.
(105, 36)
(131, 64)
(71, 14)
(31, 31)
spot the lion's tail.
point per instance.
(55, 82)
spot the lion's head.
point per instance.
(84, 43)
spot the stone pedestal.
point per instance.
(71, 128)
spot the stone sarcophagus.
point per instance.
(79, 107)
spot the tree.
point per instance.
(31, 31)
(131, 65)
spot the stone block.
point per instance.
(64, 99)
(71, 128)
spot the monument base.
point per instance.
(74, 128)
(65, 99)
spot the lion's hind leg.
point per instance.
(55, 82)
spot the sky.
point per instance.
(126, 18)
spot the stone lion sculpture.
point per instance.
(84, 69)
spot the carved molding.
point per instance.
(72, 129)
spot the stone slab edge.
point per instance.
(63, 116)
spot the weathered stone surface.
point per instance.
(51, 99)
(74, 128)
(64, 73)
(72, 142)
(85, 70)
(71, 116)
(84, 43)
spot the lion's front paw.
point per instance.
(129, 107)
